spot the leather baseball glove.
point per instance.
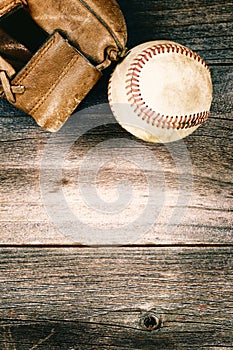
(52, 52)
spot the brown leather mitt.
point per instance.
(66, 43)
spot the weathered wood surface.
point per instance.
(205, 26)
(78, 298)
(97, 298)
(206, 218)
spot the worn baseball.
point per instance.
(161, 92)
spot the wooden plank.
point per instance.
(204, 26)
(208, 218)
(95, 299)
(99, 298)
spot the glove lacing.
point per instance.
(6, 72)
(112, 55)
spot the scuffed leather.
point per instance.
(91, 25)
(85, 37)
(57, 78)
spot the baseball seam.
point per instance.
(136, 100)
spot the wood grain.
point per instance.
(95, 298)
(205, 26)
(206, 218)
(98, 298)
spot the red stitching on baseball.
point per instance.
(134, 94)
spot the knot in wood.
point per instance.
(150, 322)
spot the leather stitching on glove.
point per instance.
(68, 67)
(34, 61)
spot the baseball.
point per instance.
(161, 91)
